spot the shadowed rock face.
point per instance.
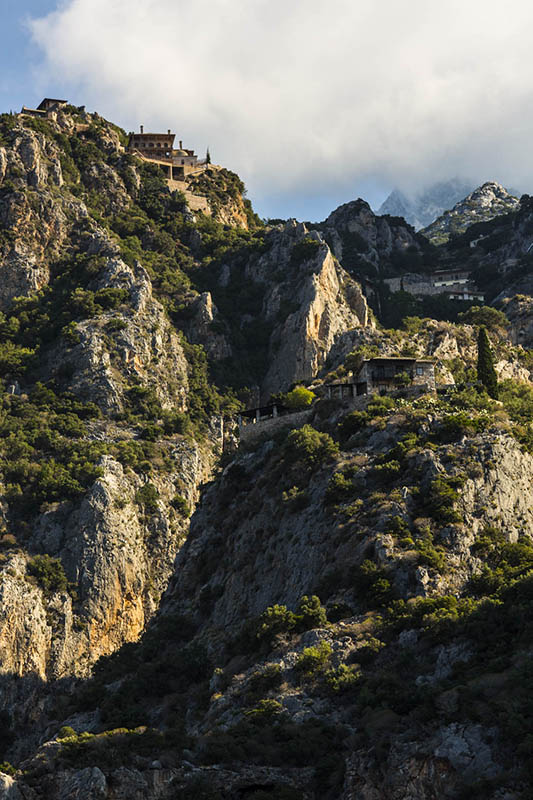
(364, 242)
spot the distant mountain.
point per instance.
(421, 210)
(483, 204)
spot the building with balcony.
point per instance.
(382, 374)
(159, 148)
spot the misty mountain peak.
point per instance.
(422, 209)
(489, 200)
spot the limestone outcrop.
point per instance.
(328, 304)
(364, 242)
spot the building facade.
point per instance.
(383, 374)
(159, 148)
(455, 284)
(46, 107)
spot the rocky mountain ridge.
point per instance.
(483, 204)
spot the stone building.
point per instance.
(384, 374)
(46, 107)
(381, 374)
(152, 144)
(159, 148)
(455, 284)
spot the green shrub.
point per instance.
(310, 447)
(486, 316)
(441, 498)
(343, 679)
(379, 406)
(112, 748)
(116, 324)
(312, 660)
(109, 298)
(65, 732)
(181, 505)
(14, 359)
(340, 488)
(488, 540)
(304, 251)
(265, 711)
(262, 681)
(353, 423)
(429, 554)
(275, 620)
(310, 613)
(372, 585)
(387, 472)
(454, 426)
(297, 499)
(49, 573)
(517, 399)
(299, 398)
(147, 496)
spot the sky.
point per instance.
(311, 103)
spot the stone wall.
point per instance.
(253, 431)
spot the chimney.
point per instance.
(181, 145)
(142, 128)
(168, 131)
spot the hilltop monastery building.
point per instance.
(159, 147)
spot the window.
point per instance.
(420, 370)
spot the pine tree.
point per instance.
(208, 157)
(486, 373)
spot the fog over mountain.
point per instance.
(424, 208)
(305, 104)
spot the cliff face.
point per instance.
(116, 542)
(326, 300)
(134, 343)
(277, 312)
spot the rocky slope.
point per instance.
(453, 347)
(98, 476)
(483, 204)
(423, 520)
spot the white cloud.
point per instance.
(306, 96)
